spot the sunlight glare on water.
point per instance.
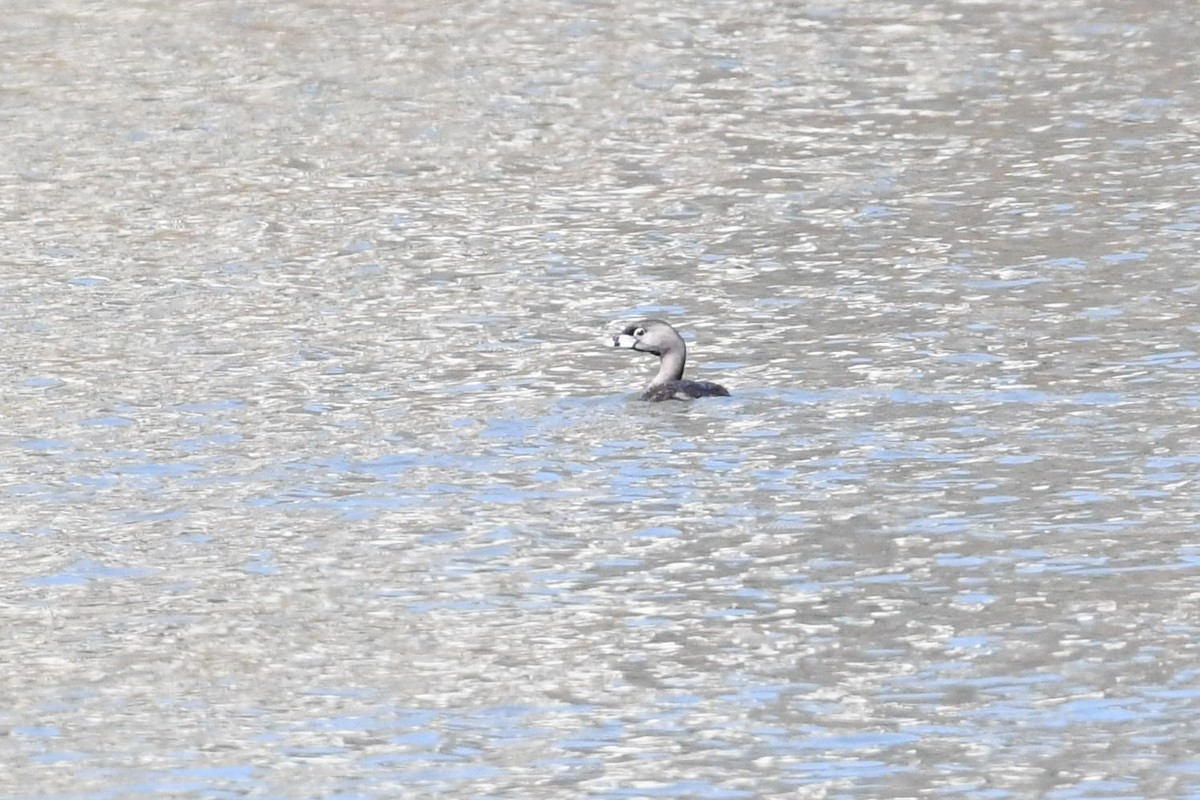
(319, 482)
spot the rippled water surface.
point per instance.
(317, 484)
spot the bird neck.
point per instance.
(670, 367)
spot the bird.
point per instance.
(658, 338)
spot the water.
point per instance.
(316, 483)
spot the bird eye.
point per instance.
(640, 332)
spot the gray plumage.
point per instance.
(658, 338)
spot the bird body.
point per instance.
(658, 338)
